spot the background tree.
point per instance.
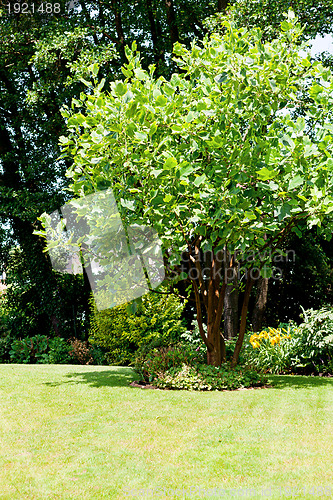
(42, 57)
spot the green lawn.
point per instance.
(80, 432)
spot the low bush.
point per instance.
(313, 350)
(59, 352)
(150, 362)
(30, 350)
(304, 349)
(181, 367)
(210, 378)
(5, 348)
(120, 333)
(41, 349)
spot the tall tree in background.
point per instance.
(42, 58)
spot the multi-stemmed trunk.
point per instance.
(210, 292)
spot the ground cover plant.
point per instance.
(181, 367)
(71, 432)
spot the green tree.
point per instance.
(212, 158)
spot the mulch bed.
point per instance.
(143, 385)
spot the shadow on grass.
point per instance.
(119, 376)
(122, 376)
(299, 381)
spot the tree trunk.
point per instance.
(239, 343)
(171, 20)
(231, 304)
(260, 305)
(222, 5)
(212, 297)
(119, 29)
(155, 30)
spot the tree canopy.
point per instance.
(212, 158)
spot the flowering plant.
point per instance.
(273, 335)
(271, 348)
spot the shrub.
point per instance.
(5, 348)
(304, 349)
(80, 352)
(181, 367)
(41, 349)
(192, 338)
(156, 322)
(313, 350)
(59, 351)
(30, 350)
(151, 362)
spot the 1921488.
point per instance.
(32, 8)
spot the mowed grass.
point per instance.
(81, 432)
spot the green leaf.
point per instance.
(295, 182)
(129, 204)
(153, 129)
(120, 88)
(170, 163)
(101, 84)
(161, 101)
(186, 171)
(140, 136)
(199, 180)
(140, 74)
(85, 82)
(94, 68)
(265, 174)
(222, 78)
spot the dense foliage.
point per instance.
(306, 279)
(41, 349)
(24, 314)
(121, 333)
(306, 348)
